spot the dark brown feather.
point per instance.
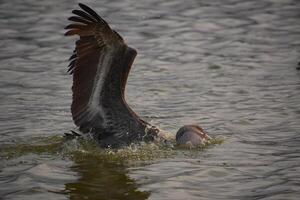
(91, 12)
(84, 15)
(72, 56)
(76, 26)
(71, 66)
(71, 32)
(79, 19)
(100, 65)
(96, 38)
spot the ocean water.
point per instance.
(229, 66)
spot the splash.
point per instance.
(83, 147)
(205, 145)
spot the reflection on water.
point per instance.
(89, 172)
(228, 65)
(99, 178)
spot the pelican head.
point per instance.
(191, 135)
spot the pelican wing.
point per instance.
(99, 52)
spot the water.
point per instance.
(228, 65)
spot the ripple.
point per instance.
(227, 65)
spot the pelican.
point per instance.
(100, 65)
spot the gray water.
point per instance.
(227, 65)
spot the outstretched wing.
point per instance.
(91, 63)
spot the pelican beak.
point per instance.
(205, 136)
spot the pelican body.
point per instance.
(100, 65)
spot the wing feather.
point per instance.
(84, 15)
(72, 57)
(91, 12)
(78, 19)
(90, 64)
(76, 26)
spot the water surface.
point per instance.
(228, 65)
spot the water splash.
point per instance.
(86, 147)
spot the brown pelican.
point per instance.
(100, 65)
